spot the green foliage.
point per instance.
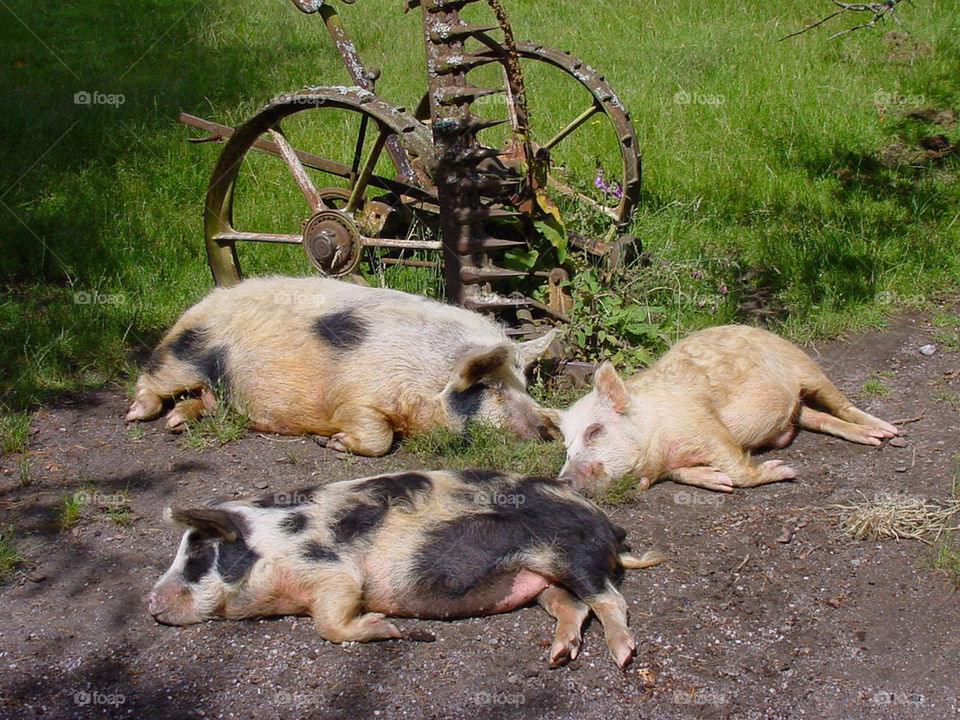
(14, 432)
(484, 446)
(873, 386)
(71, 508)
(945, 556)
(217, 428)
(9, 557)
(607, 324)
(815, 197)
(948, 336)
(620, 491)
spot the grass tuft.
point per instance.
(9, 557)
(485, 446)
(14, 432)
(215, 429)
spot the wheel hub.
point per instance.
(332, 242)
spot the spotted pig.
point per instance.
(417, 544)
(696, 412)
(352, 363)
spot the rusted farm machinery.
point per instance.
(478, 202)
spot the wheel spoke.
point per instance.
(358, 150)
(363, 179)
(574, 124)
(241, 236)
(289, 156)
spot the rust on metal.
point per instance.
(466, 193)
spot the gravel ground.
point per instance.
(763, 609)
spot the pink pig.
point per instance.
(694, 415)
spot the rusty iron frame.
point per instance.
(443, 171)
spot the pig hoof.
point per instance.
(336, 443)
(563, 651)
(622, 647)
(373, 626)
(774, 470)
(176, 422)
(143, 409)
(705, 477)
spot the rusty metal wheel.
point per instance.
(334, 207)
(584, 117)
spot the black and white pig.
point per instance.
(315, 355)
(417, 544)
(695, 413)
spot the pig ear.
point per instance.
(551, 423)
(610, 387)
(532, 350)
(209, 522)
(476, 365)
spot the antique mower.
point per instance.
(423, 188)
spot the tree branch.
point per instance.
(878, 11)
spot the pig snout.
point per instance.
(171, 604)
(579, 473)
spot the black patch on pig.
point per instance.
(294, 523)
(201, 554)
(286, 498)
(401, 488)
(191, 346)
(234, 559)
(375, 498)
(358, 521)
(461, 554)
(343, 330)
(318, 552)
(188, 344)
(481, 477)
(466, 404)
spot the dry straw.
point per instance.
(897, 516)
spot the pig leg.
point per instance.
(826, 423)
(185, 412)
(337, 612)
(863, 433)
(725, 465)
(855, 425)
(570, 613)
(611, 609)
(171, 378)
(363, 431)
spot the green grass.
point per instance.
(484, 446)
(218, 428)
(14, 432)
(9, 557)
(71, 508)
(873, 386)
(948, 336)
(785, 191)
(23, 471)
(945, 556)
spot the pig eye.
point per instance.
(592, 432)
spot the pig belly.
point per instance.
(760, 420)
(501, 594)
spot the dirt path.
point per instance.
(736, 624)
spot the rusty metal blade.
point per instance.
(463, 93)
(446, 33)
(469, 274)
(469, 245)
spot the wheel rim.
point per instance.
(377, 119)
(602, 101)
